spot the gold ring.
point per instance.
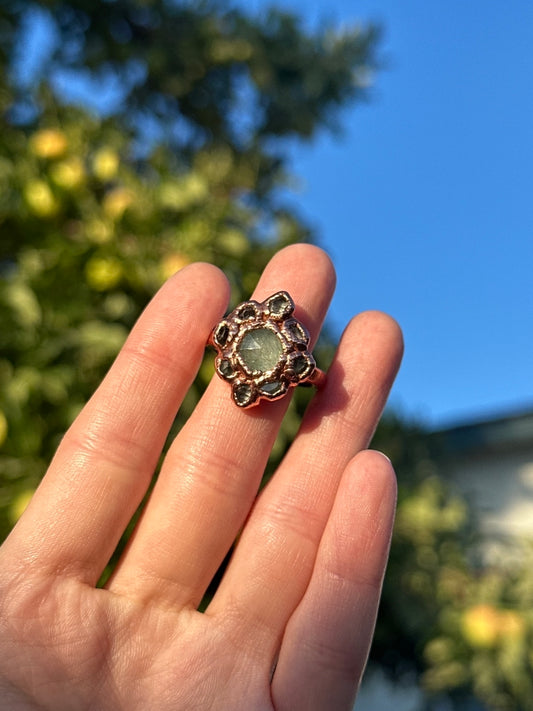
(262, 351)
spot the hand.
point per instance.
(291, 623)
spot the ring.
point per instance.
(262, 350)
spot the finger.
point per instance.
(104, 464)
(214, 467)
(274, 559)
(327, 640)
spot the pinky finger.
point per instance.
(326, 641)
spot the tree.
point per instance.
(186, 160)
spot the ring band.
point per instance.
(262, 351)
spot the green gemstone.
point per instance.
(260, 350)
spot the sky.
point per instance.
(426, 202)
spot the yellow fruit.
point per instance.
(19, 504)
(480, 625)
(116, 201)
(48, 143)
(105, 163)
(69, 173)
(485, 626)
(3, 428)
(172, 263)
(103, 273)
(40, 199)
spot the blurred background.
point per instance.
(140, 135)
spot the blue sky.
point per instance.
(426, 203)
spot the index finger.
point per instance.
(105, 462)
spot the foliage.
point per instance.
(484, 634)
(185, 161)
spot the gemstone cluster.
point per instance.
(262, 350)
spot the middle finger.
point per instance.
(213, 468)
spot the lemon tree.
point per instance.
(101, 199)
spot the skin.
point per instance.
(291, 623)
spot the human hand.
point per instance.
(291, 623)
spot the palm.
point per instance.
(291, 623)
(82, 641)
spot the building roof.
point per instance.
(496, 434)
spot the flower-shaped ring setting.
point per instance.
(262, 350)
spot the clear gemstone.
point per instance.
(260, 349)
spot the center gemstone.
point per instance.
(260, 349)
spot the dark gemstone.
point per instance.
(225, 368)
(295, 331)
(242, 394)
(273, 388)
(300, 365)
(280, 305)
(222, 334)
(247, 312)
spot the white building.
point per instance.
(491, 464)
